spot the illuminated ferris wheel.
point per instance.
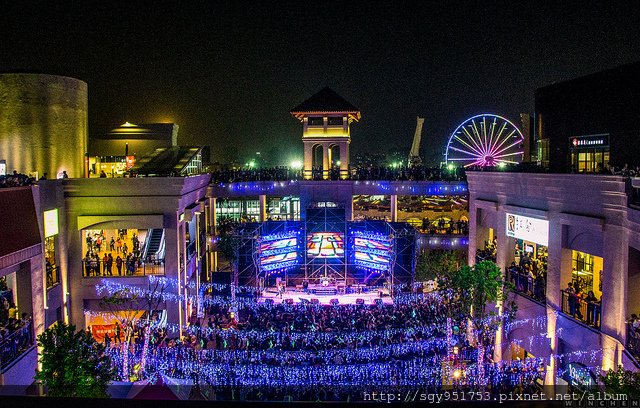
(485, 140)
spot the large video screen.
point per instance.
(277, 253)
(278, 246)
(372, 253)
(326, 245)
(371, 244)
(278, 261)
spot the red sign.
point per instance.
(130, 161)
(99, 330)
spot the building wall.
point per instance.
(126, 203)
(605, 102)
(587, 213)
(43, 123)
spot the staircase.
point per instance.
(153, 243)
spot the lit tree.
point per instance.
(125, 305)
(73, 363)
(472, 290)
(621, 381)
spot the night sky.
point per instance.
(229, 72)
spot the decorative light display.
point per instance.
(485, 140)
(410, 355)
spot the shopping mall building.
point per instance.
(579, 225)
(56, 236)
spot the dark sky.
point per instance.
(229, 72)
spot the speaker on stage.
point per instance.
(334, 301)
(289, 301)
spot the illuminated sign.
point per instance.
(3, 167)
(578, 375)
(130, 161)
(528, 229)
(51, 222)
(588, 141)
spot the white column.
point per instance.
(325, 161)
(394, 207)
(262, 200)
(344, 160)
(308, 160)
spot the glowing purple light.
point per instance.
(485, 140)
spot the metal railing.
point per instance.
(580, 309)
(528, 286)
(633, 341)
(15, 344)
(53, 277)
(95, 268)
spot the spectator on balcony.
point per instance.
(573, 301)
(592, 309)
(13, 312)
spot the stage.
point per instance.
(324, 295)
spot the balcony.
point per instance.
(133, 268)
(15, 344)
(633, 341)
(589, 313)
(527, 286)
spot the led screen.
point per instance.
(325, 245)
(377, 259)
(371, 244)
(278, 252)
(278, 246)
(275, 259)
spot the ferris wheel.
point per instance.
(485, 140)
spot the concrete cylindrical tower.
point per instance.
(43, 123)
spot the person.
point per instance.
(105, 261)
(119, 265)
(44, 176)
(107, 340)
(64, 174)
(592, 309)
(116, 334)
(572, 300)
(109, 264)
(112, 244)
(13, 312)
(103, 174)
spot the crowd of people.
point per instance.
(328, 347)
(16, 180)
(585, 307)
(15, 329)
(369, 172)
(126, 260)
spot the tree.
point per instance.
(435, 263)
(125, 306)
(621, 381)
(73, 363)
(473, 288)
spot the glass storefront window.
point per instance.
(586, 272)
(123, 252)
(51, 265)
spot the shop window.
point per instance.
(51, 265)
(586, 272)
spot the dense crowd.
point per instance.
(370, 172)
(16, 180)
(15, 329)
(326, 352)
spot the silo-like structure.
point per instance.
(43, 124)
